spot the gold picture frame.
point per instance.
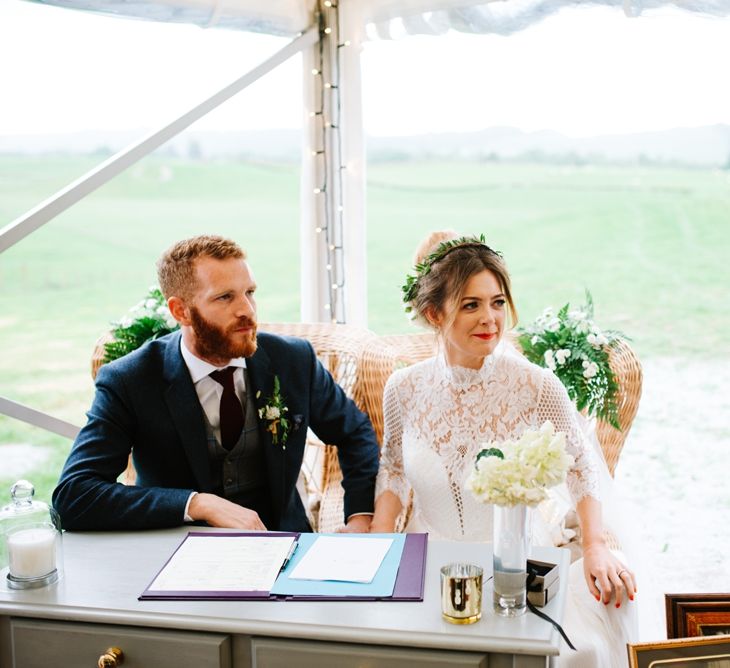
(702, 652)
(697, 615)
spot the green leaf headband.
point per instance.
(410, 287)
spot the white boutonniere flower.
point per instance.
(274, 412)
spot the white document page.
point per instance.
(342, 558)
(224, 563)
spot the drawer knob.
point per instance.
(111, 658)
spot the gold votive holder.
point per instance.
(461, 593)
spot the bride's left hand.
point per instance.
(607, 576)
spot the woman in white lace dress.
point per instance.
(480, 389)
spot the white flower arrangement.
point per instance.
(575, 349)
(147, 320)
(520, 472)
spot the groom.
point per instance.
(216, 416)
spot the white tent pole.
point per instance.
(312, 253)
(68, 196)
(332, 232)
(353, 148)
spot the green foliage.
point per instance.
(576, 350)
(490, 452)
(410, 288)
(148, 320)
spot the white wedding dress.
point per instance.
(438, 417)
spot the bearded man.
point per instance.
(215, 416)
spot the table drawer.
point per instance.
(41, 644)
(273, 653)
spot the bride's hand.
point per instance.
(607, 576)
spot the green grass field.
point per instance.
(650, 243)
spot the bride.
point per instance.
(480, 389)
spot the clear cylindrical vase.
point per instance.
(510, 545)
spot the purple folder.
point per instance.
(408, 583)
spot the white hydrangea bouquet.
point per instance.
(149, 319)
(510, 473)
(571, 345)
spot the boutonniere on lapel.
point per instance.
(273, 412)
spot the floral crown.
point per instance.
(423, 268)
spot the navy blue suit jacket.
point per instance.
(146, 402)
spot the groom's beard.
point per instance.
(223, 343)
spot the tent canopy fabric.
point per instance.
(387, 18)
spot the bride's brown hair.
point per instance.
(444, 264)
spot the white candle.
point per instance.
(32, 552)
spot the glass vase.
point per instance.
(510, 546)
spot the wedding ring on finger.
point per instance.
(621, 572)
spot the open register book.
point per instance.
(293, 566)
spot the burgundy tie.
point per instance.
(230, 409)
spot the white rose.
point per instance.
(549, 361)
(151, 304)
(582, 327)
(553, 325)
(272, 413)
(590, 369)
(562, 355)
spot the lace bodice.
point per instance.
(437, 417)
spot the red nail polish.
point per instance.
(606, 602)
(631, 598)
(598, 598)
(618, 605)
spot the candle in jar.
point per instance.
(32, 552)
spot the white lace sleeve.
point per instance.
(555, 405)
(391, 476)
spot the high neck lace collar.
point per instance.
(462, 376)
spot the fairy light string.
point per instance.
(328, 156)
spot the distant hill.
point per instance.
(708, 145)
(701, 146)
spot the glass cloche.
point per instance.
(30, 540)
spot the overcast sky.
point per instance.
(581, 72)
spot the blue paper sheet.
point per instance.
(381, 586)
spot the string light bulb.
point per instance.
(327, 31)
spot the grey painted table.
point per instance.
(94, 606)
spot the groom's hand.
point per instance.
(357, 524)
(219, 512)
